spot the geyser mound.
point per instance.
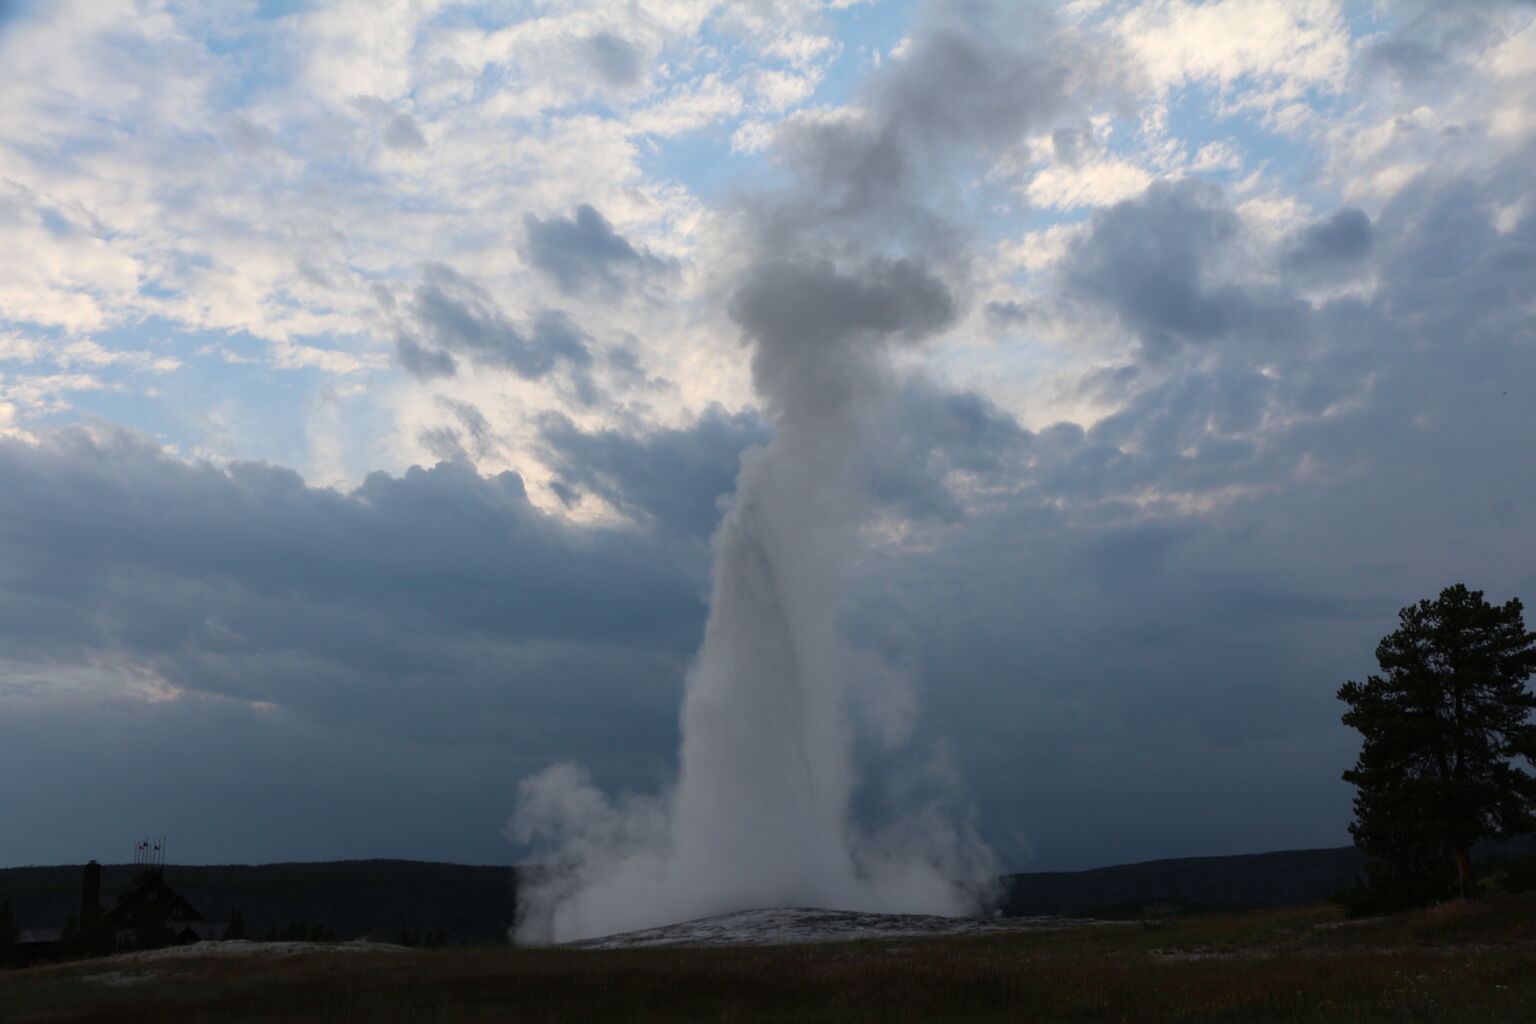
(783, 926)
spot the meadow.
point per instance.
(1473, 961)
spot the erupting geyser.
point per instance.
(846, 264)
(759, 816)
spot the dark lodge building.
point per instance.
(148, 913)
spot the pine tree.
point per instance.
(1442, 725)
(69, 937)
(9, 933)
(98, 935)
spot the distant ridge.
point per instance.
(1285, 878)
(476, 904)
(1280, 879)
(353, 898)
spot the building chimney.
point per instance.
(90, 891)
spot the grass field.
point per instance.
(1458, 962)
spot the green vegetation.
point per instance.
(350, 898)
(1464, 961)
(1442, 726)
(9, 954)
(1503, 873)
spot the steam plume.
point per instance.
(848, 263)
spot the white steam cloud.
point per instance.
(847, 264)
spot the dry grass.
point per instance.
(1473, 962)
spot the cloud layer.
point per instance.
(364, 423)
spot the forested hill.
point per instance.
(1286, 878)
(351, 898)
(1256, 880)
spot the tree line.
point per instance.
(93, 935)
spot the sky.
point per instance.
(372, 378)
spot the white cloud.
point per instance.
(53, 271)
(789, 30)
(275, 216)
(752, 137)
(1217, 156)
(45, 392)
(799, 48)
(359, 47)
(1257, 52)
(69, 352)
(688, 109)
(162, 200)
(1463, 107)
(778, 90)
(1036, 251)
(1097, 182)
(271, 206)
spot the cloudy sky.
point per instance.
(369, 388)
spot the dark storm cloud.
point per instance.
(282, 783)
(1166, 600)
(451, 317)
(614, 58)
(423, 362)
(1152, 261)
(1132, 628)
(357, 669)
(1331, 246)
(583, 251)
(230, 781)
(1451, 264)
(1004, 315)
(933, 439)
(674, 478)
(246, 582)
(473, 439)
(444, 443)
